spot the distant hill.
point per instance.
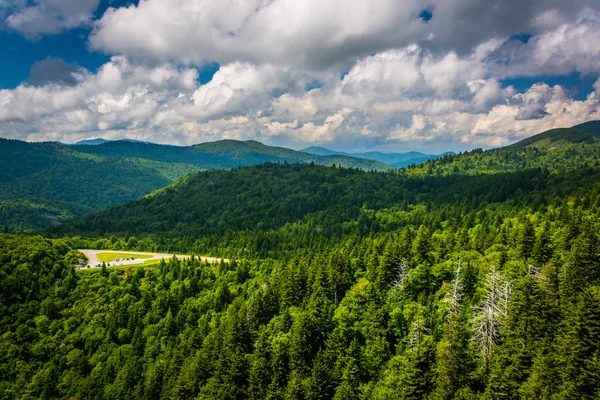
(44, 184)
(555, 138)
(260, 206)
(268, 208)
(47, 183)
(224, 154)
(396, 160)
(97, 141)
(250, 205)
(322, 151)
(591, 127)
(91, 142)
(557, 150)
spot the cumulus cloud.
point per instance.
(166, 103)
(407, 82)
(40, 17)
(119, 96)
(571, 46)
(312, 33)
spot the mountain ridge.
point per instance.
(49, 178)
(396, 160)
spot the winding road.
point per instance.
(92, 256)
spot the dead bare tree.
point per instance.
(417, 331)
(454, 297)
(492, 313)
(401, 277)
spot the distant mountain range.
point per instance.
(47, 184)
(97, 141)
(207, 205)
(44, 184)
(223, 154)
(396, 160)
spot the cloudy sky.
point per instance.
(391, 75)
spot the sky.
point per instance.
(352, 75)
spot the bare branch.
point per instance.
(492, 313)
(418, 330)
(401, 277)
(454, 298)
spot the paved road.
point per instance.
(92, 256)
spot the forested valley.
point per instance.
(46, 184)
(473, 276)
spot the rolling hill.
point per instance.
(43, 184)
(482, 283)
(591, 127)
(249, 204)
(97, 141)
(556, 150)
(224, 154)
(396, 160)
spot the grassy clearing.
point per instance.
(110, 257)
(149, 263)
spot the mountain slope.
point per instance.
(224, 154)
(591, 127)
(53, 182)
(557, 150)
(396, 160)
(97, 141)
(556, 137)
(272, 207)
(470, 285)
(47, 183)
(242, 205)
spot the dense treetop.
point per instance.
(270, 207)
(225, 154)
(50, 183)
(472, 277)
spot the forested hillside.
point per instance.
(396, 160)
(592, 127)
(557, 150)
(225, 154)
(476, 276)
(271, 208)
(45, 184)
(499, 303)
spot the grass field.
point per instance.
(110, 257)
(121, 268)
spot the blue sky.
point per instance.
(394, 75)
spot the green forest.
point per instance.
(472, 276)
(47, 184)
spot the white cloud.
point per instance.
(40, 17)
(312, 33)
(119, 96)
(374, 103)
(283, 32)
(571, 46)
(420, 84)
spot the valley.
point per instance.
(299, 200)
(46, 184)
(322, 280)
